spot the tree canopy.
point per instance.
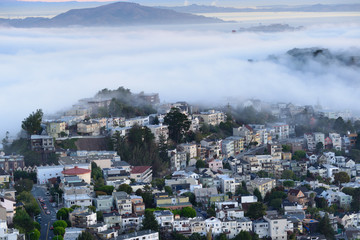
(256, 210)
(32, 124)
(341, 177)
(149, 222)
(178, 124)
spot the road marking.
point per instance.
(47, 232)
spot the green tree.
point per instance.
(211, 211)
(288, 174)
(149, 222)
(159, 183)
(257, 194)
(289, 184)
(197, 236)
(21, 221)
(256, 210)
(286, 148)
(32, 124)
(23, 185)
(63, 214)
(163, 148)
(276, 203)
(243, 235)
(59, 231)
(221, 236)
(125, 188)
(34, 234)
(200, 164)
(58, 237)
(178, 124)
(188, 212)
(319, 147)
(86, 235)
(92, 208)
(341, 177)
(262, 174)
(325, 228)
(168, 190)
(60, 223)
(99, 216)
(298, 155)
(191, 196)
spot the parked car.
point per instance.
(52, 228)
(45, 207)
(48, 212)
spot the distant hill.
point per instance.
(114, 14)
(195, 8)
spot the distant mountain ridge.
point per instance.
(195, 8)
(114, 14)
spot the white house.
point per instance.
(44, 173)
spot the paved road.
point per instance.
(46, 220)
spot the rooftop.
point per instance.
(76, 171)
(139, 169)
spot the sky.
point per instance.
(233, 3)
(52, 68)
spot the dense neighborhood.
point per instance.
(126, 166)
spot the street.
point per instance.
(47, 220)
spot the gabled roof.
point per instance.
(294, 192)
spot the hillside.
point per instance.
(114, 14)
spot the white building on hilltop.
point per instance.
(7, 233)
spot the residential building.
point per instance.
(174, 202)
(44, 173)
(141, 173)
(4, 177)
(56, 129)
(215, 165)
(11, 163)
(165, 218)
(88, 128)
(261, 228)
(8, 233)
(212, 117)
(159, 130)
(8, 207)
(41, 143)
(84, 174)
(144, 235)
(263, 184)
(281, 130)
(77, 195)
(112, 219)
(122, 202)
(319, 138)
(228, 184)
(336, 141)
(277, 227)
(138, 205)
(104, 203)
(82, 218)
(213, 225)
(310, 141)
(189, 148)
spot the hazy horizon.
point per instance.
(52, 68)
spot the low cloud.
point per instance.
(53, 68)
